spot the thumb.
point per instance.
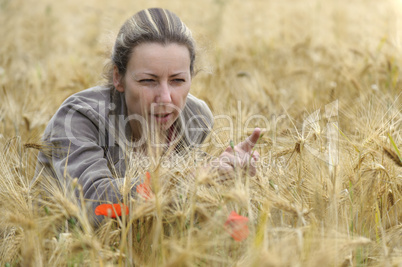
(248, 144)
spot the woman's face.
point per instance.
(156, 83)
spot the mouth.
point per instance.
(162, 117)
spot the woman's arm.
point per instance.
(80, 151)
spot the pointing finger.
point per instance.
(248, 144)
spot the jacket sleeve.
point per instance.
(76, 134)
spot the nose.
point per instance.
(164, 93)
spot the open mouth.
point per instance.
(162, 115)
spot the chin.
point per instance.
(165, 127)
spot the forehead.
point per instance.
(171, 55)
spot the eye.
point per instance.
(178, 80)
(146, 81)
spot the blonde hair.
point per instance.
(154, 25)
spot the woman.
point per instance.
(145, 105)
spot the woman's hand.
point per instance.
(242, 156)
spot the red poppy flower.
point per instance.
(237, 227)
(144, 189)
(112, 210)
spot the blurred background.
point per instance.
(272, 53)
(283, 60)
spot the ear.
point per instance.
(117, 80)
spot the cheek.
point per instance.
(132, 98)
(181, 96)
(136, 100)
(146, 98)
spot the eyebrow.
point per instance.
(156, 76)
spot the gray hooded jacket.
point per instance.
(90, 136)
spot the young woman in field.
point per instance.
(145, 106)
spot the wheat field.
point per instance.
(322, 78)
